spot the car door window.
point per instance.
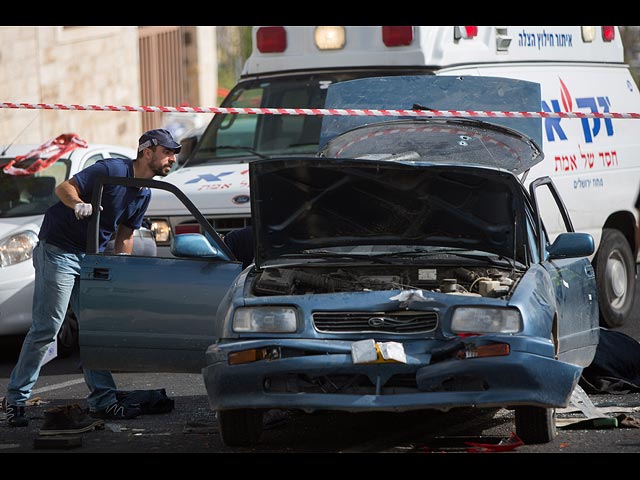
(92, 159)
(117, 155)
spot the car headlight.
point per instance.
(265, 320)
(161, 230)
(17, 248)
(486, 320)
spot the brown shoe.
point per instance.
(67, 420)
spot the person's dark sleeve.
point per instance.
(240, 242)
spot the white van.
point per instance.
(594, 162)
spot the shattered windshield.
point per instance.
(437, 141)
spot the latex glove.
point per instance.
(83, 210)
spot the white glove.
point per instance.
(83, 210)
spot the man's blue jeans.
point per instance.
(57, 283)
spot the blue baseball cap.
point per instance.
(159, 136)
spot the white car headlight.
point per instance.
(486, 320)
(265, 320)
(17, 248)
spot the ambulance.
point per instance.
(595, 162)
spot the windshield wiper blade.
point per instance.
(494, 259)
(239, 147)
(328, 254)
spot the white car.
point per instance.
(23, 202)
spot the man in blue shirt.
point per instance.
(61, 247)
(240, 242)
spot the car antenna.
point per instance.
(4, 151)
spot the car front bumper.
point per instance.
(321, 375)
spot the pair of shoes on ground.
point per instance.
(68, 419)
(117, 411)
(71, 419)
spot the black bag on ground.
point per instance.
(615, 367)
(149, 401)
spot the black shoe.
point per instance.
(15, 415)
(117, 411)
(68, 419)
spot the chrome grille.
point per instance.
(384, 322)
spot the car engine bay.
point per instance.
(475, 281)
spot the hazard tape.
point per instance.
(318, 111)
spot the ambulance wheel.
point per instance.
(615, 278)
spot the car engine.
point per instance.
(478, 281)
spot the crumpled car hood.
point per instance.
(311, 203)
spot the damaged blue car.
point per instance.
(405, 267)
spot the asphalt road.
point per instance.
(192, 427)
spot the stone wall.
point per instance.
(69, 65)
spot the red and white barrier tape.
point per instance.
(319, 111)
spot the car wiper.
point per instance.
(235, 147)
(494, 259)
(425, 251)
(329, 254)
(246, 149)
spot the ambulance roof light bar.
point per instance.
(589, 34)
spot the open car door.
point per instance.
(149, 313)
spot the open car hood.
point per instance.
(315, 203)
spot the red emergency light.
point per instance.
(608, 33)
(465, 32)
(271, 39)
(397, 36)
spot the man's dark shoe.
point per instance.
(15, 415)
(68, 419)
(117, 411)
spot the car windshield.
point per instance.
(26, 195)
(242, 137)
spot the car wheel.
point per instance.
(68, 335)
(240, 428)
(535, 424)
(615, 278)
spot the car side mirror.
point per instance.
(192, 245)
(571, 245)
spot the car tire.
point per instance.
(240, 428)
(68, 336)
(535, 424)
(615, 278)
